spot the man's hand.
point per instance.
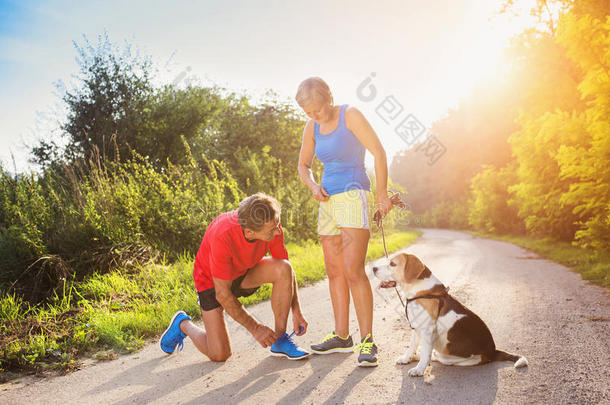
(299, 323)
(264, 335)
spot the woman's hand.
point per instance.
(384, 204)
(319, 193)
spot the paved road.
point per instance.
(532, 306)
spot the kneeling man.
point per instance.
(231, 263)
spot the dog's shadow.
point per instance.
(451, 384)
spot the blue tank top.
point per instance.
(343, 157)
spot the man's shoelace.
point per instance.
(288, 339)
(329, 337)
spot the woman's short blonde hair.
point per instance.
(313, 89)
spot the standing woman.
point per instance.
(338, 135)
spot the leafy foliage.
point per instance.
(90, 217)
(144, 171)
(536, 142)
(114, 88)
(585, 164)
(490, 209)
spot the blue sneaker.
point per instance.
(173, 336)
(285, 347)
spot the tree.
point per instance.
(177, 118)
(111, 100)
(585, 164)
(489, 209)
(562, 139)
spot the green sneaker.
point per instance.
(368, 352)
(333, 343)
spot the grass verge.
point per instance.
(593, 266)
(118, 312)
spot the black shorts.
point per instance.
(207, 298)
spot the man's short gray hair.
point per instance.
(258, 209)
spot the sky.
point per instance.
(426, 55)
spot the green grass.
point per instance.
(119, 312)
(593, 266)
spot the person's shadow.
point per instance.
(322, 366)
(342, 392)
(160, 383)
(268, 372)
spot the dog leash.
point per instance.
(396, 201)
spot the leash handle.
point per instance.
(396, 202)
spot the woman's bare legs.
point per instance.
(337, 283)
(344, 257)
(354, 246)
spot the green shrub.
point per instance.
(80, 219)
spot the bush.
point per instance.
(447, 215)
(86, 217)
(490, 209)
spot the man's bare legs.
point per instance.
(214, 340)
(279, 273)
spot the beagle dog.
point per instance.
(444, 329)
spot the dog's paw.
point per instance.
(416, 372)
(406, 358)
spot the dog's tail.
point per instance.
(519, 361)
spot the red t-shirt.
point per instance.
(226, 254)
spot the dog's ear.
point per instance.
(413, 268)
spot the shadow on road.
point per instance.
(354, 377)
(452, 384)
(321, 366)
(256, 379)
(268, 372)
(160, 383)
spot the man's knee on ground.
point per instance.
(220, 356)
